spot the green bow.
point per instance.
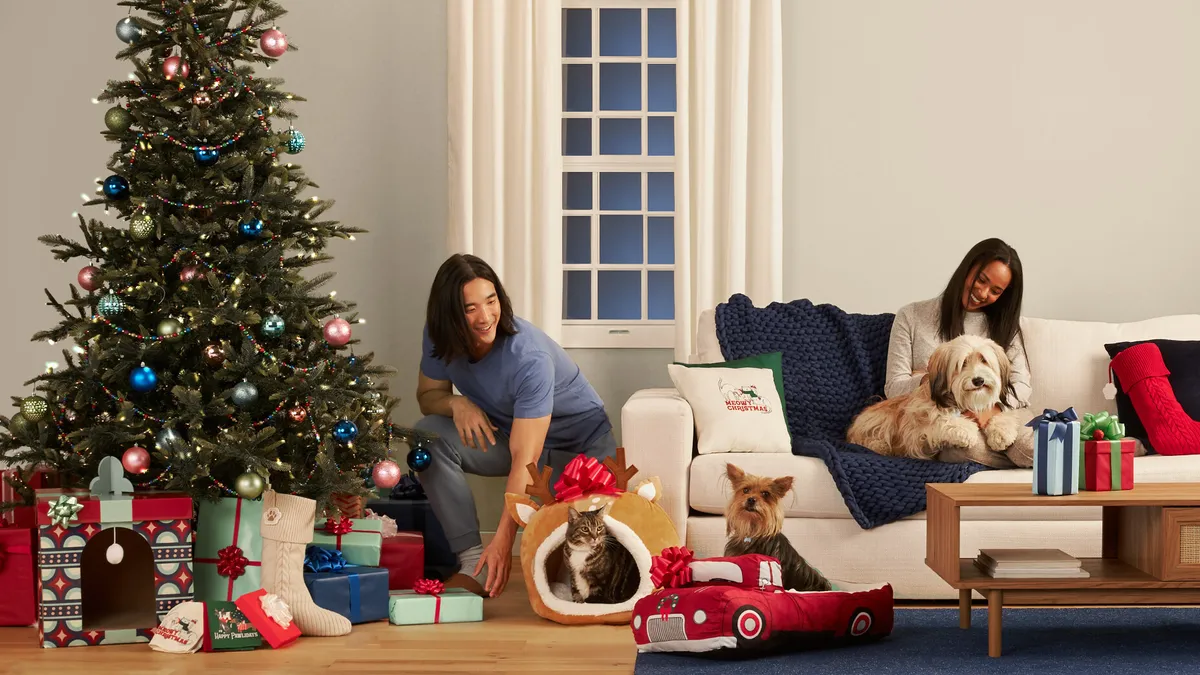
(63, 511)
(1107, 424)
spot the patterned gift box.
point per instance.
(228, 549)
(403, 554)
(360, 539)
(18, 590)
(1055, 452)
(430, 602)
(83, 599)
(358, 593)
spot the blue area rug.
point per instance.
(1100, 641)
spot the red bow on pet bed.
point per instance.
(584, 476)
(672, 568)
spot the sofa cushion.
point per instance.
(772, 362)
(816, 496)
(736, 409)
(1182, 358)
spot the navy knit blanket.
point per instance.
(833, 366)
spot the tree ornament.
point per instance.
(345, 431)
(376, 410)
(273, 325)
(143, 379)
(169, 327)
(128, 30)
(273, 43)
(89, 278)
(244, 394)
(249, 485)
(116, 187)
(189, 378)
(70, 415)
(207, 156)
(18, 425)
(386, 474)
(118, 119)
(110, 305)
(297, 415)
(419, 459)
(191, 273)
(34, 408)
(136, 460)
(169, 441)
(295, 142)
(213, 355)
(337, 332)
(141, 227)
(202, 99)
(174, 67)
(251, 228)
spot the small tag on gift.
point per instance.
(272, 516)
(1110, 391)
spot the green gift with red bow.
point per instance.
(1107, 460)
(228, 548)
(360, 539)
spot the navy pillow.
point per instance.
(1183, 361)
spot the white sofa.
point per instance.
(1069, 367)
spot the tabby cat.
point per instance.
(601, 569)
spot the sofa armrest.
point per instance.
(658, 432)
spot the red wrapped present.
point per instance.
(18, 599)
(271, 616)
(22, 516)
(1108, 465)
(403, 554)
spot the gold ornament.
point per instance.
(34, 408)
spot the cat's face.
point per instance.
(586, 529)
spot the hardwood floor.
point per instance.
(510, 639)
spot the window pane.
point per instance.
(577, 136)
(660, 24)
(620, 32)
(660, 136)
(661, 191)
(577, 87)
(660, 87)
(577, 294)
(620, 294)
(620, 191)
(621, 240)
(660, 237)
(577, 240)
(660, 295)
(577, 191)
(577, 32)
(620, 86)
(620, 137)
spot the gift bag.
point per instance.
(1055, 452)
(228, 549)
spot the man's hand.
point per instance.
(472, 423)
(497, 557)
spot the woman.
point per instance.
(983, 297)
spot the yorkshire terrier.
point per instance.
(754, 523)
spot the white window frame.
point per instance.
(643, 333)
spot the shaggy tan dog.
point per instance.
(968, 375)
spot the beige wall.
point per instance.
(1071, 128)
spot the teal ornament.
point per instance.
(110, 305)
(116, 187)
(244, 394)
(251, 228)
(143, 378)
(419, 459)
(295, 142)
(207, 157)
(345, 431)
(63, 511)
(273, 325)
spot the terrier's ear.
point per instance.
(735, 474)
(781, 486)
(939, 378)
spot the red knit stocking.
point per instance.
(1143, 376)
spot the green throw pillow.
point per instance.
(773, 361)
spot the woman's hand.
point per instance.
(472, 423)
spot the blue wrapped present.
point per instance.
(356, 592)
(1055, 452)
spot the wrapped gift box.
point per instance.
(22, 516)
(416, 515)
(450, 605)
(404, 557)
(18, 587)
(228, 549)
(1055, 452)
(1108, 465)
(271, 616)
(226, 628)
(359, 539)
(357, 593)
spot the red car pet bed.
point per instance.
(736, 606)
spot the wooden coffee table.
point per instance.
(1150, 549)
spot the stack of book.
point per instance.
(1029, 563)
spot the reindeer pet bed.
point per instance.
(634, 518)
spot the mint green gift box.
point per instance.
(229, 522)
(453, 605)
(361, 545)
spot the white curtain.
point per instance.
(505, 103)
(729, 230)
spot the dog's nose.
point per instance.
(750, 501)
(978, 382)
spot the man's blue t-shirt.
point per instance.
(527, 375)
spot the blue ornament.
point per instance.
(273, 325)
(345, 431)
(295, 142)
(116, 187)
(110, 305)
(419, 459)
(143, 379)
(251, 228)
(206, 157)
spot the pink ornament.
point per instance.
(273, 43)
(174, 67)
(337, 332)
(190, 273)
(386, 474)
(136, 460)
(89, 278)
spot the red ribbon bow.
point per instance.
(429, 587)
(584, 476)
(339, 527)
(671, 568)
(231, 562)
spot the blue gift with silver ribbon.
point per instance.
(1055, 452)
(356, 592)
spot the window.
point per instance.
(619, 167)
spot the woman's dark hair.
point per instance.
(445, 314)
(1003, 315)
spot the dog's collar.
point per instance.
(747, 540)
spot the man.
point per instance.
(522, 400)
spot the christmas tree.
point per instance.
(201, 355)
